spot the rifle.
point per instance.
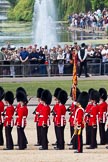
(53, 112)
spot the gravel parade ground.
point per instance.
(33, 154)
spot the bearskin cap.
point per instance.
(39, 92)
(89, 91)
(94, 95)
(77, 93)
(56, 92)
(21, 89)
(103, 93)
(46, 96)
(62, 96)
(1, 93)
(83, 99)
(9, 96)
(21, 96)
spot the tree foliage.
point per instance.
(23, 9)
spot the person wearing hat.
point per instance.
(1, 115)
(36, 115)
(19, 89)
(56, 92)
(82, 56)
(21, 119)
(94, 97)
(81, 104)
(44, 120)
(18, 105)
(60, 119)
(8, 119)
(102, 115)
(71, 111)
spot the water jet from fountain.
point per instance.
(44, 26)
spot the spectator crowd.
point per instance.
(97, 20)
(42, 61)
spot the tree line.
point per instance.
(22, 10)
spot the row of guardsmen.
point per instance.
(89, 110)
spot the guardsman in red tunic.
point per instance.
(60, 119)
(8, 119)
(44, 118)
(36, 115)
(102, 115)
(57, 90)
(21, 120)
(86, 119)
(106, 133)
(18, 106)
(93, 118)
(79, 119)
(1, 115)
(71, 111)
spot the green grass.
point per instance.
(31, 87)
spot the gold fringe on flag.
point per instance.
(74, 79)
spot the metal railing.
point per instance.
(17, 69)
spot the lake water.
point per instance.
(21, 34)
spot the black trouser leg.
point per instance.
(40, 134)
(44, 139)
(85, 67)
(1, 135)
(22, 141)
(75, 142)
(71, 132)
(102, 133)
(88, 134)
(93, 137)
(55, 128)
(9, 140)
(106, 136)
(60, 138)
(62, 132)
(37, 130)
(80, 69)
(80, 142)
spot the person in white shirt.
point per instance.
(60, 59)
(82, 56)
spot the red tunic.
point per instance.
(60, 115)
(87, 112)
(79, 117)
(37, 110)
(22, 115)
(93, 115)
(72, 114)
(1, 111)
(102, 112)
(44, 116)
(8, 119)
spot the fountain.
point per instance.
(44, 27)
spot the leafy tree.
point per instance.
(99, 4)
(22, 11)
